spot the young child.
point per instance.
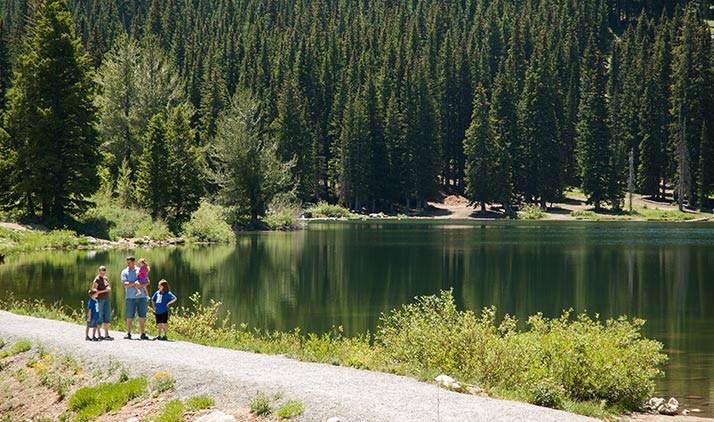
(160, 302)
(92, 316)
(143, 277)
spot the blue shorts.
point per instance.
(105, 311)
(136, 306)
(93, 323)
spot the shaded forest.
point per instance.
(384, 103)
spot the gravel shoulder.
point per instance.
(232, 376)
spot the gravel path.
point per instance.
(326, 391)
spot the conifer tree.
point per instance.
(187, 168)
(153, 182)
(593, 139)
(487, 178)
(5, 68)
(51, 119)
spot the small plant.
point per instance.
(123, 375)
(547, 393)
(325, 210)
(17, 348)
(531, 212)
(291, 409)
(208, 224)
(160, 382)
(199, 402)
(173, 412)
(260, 404)
(91, 402)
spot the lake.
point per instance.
(348, 273)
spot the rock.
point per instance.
(91, 240)
(654, 404)
(670, 408)
(444, 379)
(217, 416)
(134, 419)
(685, 412)
(334, 419)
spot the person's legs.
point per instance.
(130, 311)
(105, 315)
(141, 310)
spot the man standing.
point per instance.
(135, 297)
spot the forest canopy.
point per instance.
(372, 104)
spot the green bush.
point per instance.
(291, 409)
(208, 224)
(114, 222)
(17, 348)
(283, 218)
(199, 402)
(324, 210)
(591, 360)
(584, 215)
(531, 212)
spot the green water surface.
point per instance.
(347, 274)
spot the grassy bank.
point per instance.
(576, 363)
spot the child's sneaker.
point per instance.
(95, 339)
(88, 338)
(138, 293)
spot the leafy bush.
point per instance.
(584, 215)
(260, 404)
(531, 212)
(589, 359)
(291, 409)
(199, 402)
(17, 348)
(324, 210)
(208, 224)
(115, 222)
(283, 218)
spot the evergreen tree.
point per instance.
(246, 164)
(188, 173)
(487, 178)
(153, 183)
(5, 67)
(593, 139)
(51, 119)
(291, 131)
(124, 186)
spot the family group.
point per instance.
(135, 280)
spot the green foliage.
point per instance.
(247, 168)
(113, 222)
(324, 210)
(282, 216)
(17, 348)
(50, 120)
(531, 212)
(153, 182)
(208, 224)
(173, 412)
(91, 402)
(587, 359)
(199, 402)
(290, 409)
(28, 240)
(260, 404)
(161, 382)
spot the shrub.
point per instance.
(208, 224)
(115, 222)
(17, 348)
(283, 218)
(589, 359)
(199, 402)
(260, 404)
(291, 409)
(584, 215)
(324, 210)
(531, 212)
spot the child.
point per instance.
(92, 316)
(143, 277)
(160, 302)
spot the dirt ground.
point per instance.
(454, 207)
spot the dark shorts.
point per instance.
(136, 306)
(105, 311)
(162, 318)
(93, 323)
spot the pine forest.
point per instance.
(374, 105)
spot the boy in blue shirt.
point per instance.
(92, 316)
(160, 302)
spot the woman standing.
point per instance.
(101, 283)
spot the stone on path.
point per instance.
(216, 417)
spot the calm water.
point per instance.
(348, 273)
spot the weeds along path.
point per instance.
(232, 376)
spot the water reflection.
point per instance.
(349, 273)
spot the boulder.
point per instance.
(216, 416)
(334, 419)
(654, 404)
(670, 408)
